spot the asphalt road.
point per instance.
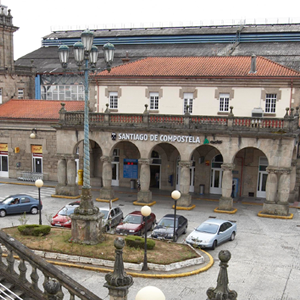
(265, 261)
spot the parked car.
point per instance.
(19, 204)
(112, 217)
(211, 233)
(134, 224)
(165, 227)
(62, 217)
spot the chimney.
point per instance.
(126, 59)
(253, 64)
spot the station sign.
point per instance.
(156, 138)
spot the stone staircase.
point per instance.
(11, 292)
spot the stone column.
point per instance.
(118, 282)
(61, 176)
(226, 202)
(71, 177)
(144, 195)
(186, 198)
(106, 192)
(292, 196)
(271, 185)
(277, 202)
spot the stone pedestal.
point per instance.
(86, 221)
(107, 193)
(278, 209)
(225, 203)
(144, 196)
(185, 200)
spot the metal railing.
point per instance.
(29, 176)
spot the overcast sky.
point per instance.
(37, 18)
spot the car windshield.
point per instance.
(67, 210)
(167, 223)
(134, 219)
(7, 200)
(208, 228)
(105, 212)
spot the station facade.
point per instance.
(227, 150)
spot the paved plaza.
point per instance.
(265, 256)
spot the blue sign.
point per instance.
(130, 168)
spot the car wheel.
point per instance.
(2, 213)
(140, 233)
(34, 211)
(215, 244)
(106, 228)
(232, 237)
(185, 229)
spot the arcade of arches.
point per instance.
(230, 167)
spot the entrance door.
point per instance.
(155, 176)
(37, 164)
(262, 177)
(115, 173)
(192, 179)
(216, 175)
(3, 166)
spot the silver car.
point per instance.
(211, 233)
(112, 217)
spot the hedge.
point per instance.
(139, 242)
(34, 229)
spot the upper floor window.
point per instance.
(270, 103)
(188, 102)
(224, 102)
(20, 93)
(154, 101)
(0, 96)
(62, 92)
(113, 100)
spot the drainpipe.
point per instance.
(291, 94)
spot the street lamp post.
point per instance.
(146, 211)
(39, 183)
(85, 53)
(175, 196)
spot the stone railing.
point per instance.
(207, 123)
(52, 279)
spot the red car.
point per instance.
(62, 217)
(134, 224)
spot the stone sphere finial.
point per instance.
(119, 243)
(224, 256)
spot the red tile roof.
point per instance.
(47, 110)
(220, 66)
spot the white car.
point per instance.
(112, 217)
(211, 233)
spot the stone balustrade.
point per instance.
(206, 123)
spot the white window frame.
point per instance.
(0, 95)
(63, 92)
(270, 106)
(20, 93)
(113, 100)
(154, 101)
(188, 99)
(224, 102)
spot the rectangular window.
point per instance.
(113, 100)
(62, 92)
(188, 102)
(0, 96)
(20, 93)
(154, 99)
(270, 103)
(224, 102)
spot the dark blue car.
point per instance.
(18, 204)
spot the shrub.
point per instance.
(34, 230)
(139, 242)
